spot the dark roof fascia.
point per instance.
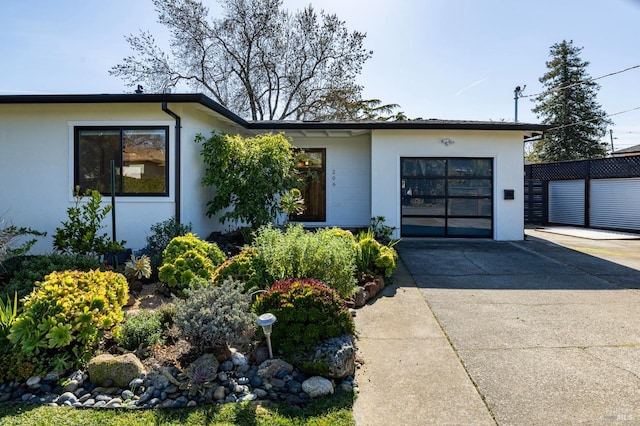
(396, 125)
(126, 98)
(271, 125)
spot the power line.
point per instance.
(582, 82)
(592, 119)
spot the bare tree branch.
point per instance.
(256, 58)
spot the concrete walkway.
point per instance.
(411, 375)
(544, 331)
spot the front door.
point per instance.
(447, 197)
(312, 169)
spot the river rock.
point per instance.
(271, 367)
(317, 386)
(119, 369)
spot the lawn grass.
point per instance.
(334, 410)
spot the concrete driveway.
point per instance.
(548, 329)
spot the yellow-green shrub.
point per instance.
(188, 257)
(179, 245)
(243, 267)
(66, 315)
(374, 257)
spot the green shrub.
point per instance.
(214, 317)
(145, 329)
(24, 271)
(188, 257)
(66, 315)
(8, 315)
(381, 232)
(19, 366)
(12, 242)
(307, 313)
(245, 267)
(161, 235)
(373, 257)
(80, 234)
(249, 175)
(328, 255)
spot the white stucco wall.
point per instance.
(36, 167)
(505, 147)
(348, 165)
(363, 169)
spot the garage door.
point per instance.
(615, 203)
(566, 202)
(446, 197)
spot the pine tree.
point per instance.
(569, 104)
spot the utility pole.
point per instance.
(611, 135)
(517, 93)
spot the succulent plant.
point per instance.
(138, 267)
(198, 377)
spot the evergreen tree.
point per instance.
(569, 104)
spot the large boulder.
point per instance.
(334, 358)
(121, 370)
(317, 386)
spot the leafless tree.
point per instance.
(257, 59)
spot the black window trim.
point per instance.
(119, 193)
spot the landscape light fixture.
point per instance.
(266, 321)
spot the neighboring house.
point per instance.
(427, 178)
(626, 152)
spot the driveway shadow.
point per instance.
(523, 265)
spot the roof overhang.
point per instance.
(304, 127)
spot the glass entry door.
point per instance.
(447, 197)
(312, 169)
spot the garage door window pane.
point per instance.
(424, 207)
(423, 227)
(470, 187)
(423, 187)
(469, 207)
(470, 227)
(423, 167)
(480, 167)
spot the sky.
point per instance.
(446, 59)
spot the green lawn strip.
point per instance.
(335, 410)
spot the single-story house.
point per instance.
(440, 178)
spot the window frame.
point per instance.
(448, 176)
(305, 173)
(77, 127)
